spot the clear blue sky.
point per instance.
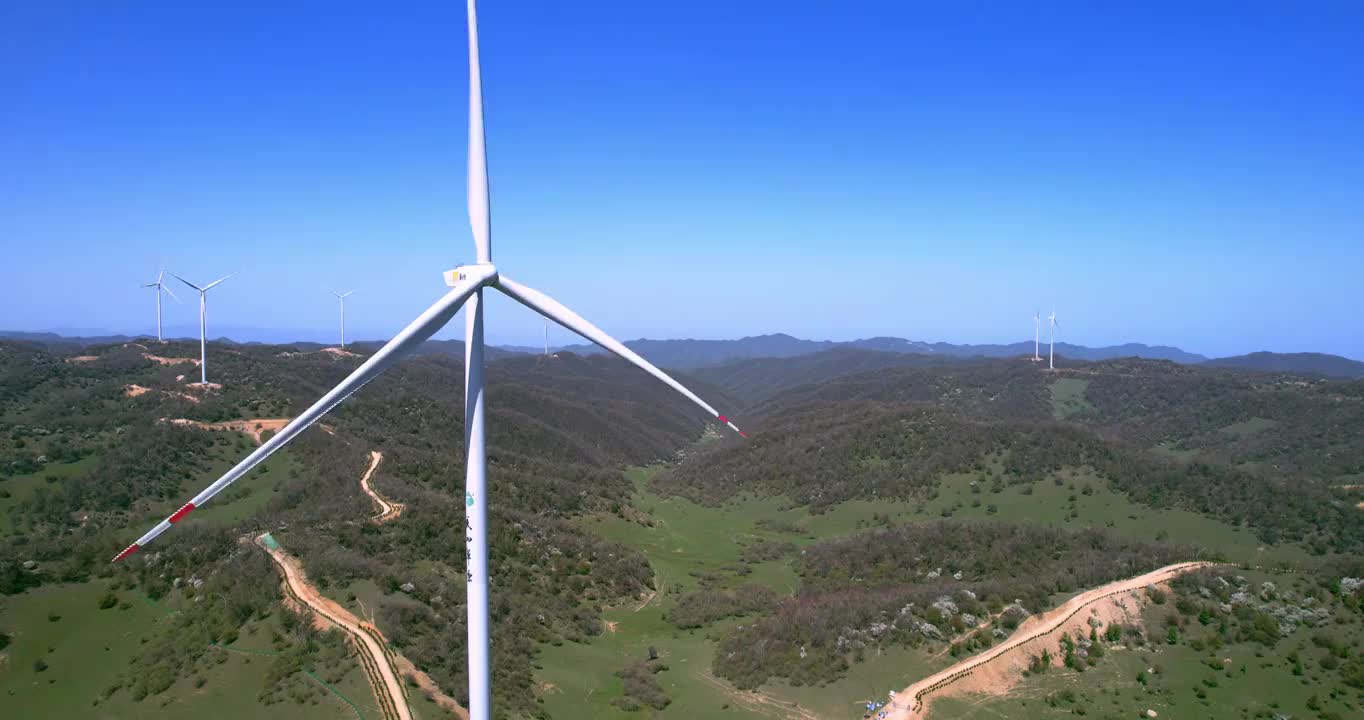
(1180, 173)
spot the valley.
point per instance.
(886, 525)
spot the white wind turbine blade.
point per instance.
(480, 214)
(552, 309)
(219, 280)
(177, 277)
(167, 289)
(401, 345)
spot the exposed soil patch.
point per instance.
(252, 428)
(998, 669)
(81, 359)
(135, 390)
(169, 360)
(339, 352)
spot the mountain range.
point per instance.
(689, 354)
(707, 353)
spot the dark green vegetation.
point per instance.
(559, 430)
(916, 584)
(816, 562)
(894, 433)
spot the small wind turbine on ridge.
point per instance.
(1051, 353)
(160, 287)
(342, 297)
(1036, 335)
(203, 322)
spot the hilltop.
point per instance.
(1305, 363)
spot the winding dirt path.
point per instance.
(387, 510)
(996, 669)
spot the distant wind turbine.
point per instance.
(1036, 335)
(546, 338)
(342, 297)
(203, 322)
(467, 284)
(1051, 353)
(160, 287)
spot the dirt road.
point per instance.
(387, 510)
(392, 700)
(994, 670)
(252, 428)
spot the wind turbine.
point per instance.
(1051, 353)
(547, 338)
(203, 322)
(1036, 335)
(160, 287)
(467, 284)
(342, 297)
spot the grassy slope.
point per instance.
(1256, 681)
(1068, 397)
(81, 666)
(577, 680)
(20, 487)
(1049, 504)
(88, 648)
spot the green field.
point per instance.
(21, 487)
(1068, 397)
(577, 680)
(1248, 427)
(1068, 505)
(86, 650)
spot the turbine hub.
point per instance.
(477, 272)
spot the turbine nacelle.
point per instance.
(478, 273)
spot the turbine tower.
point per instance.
(1051, 353)
(467, 285)
(1036, 335)
(160, 287)
(342, 297)
(203, 322)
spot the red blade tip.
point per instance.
(722, 418)
(743, 434)
(128, 551)
(181, 513)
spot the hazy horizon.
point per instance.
(560, 338)
(1162, 174)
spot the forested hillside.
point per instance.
(1263, 450)
(100, 426)
(884, 504)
